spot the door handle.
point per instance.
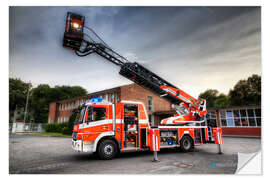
(104, 127)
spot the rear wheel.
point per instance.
(187, 144)
(107, 149)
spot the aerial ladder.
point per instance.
(188, 109)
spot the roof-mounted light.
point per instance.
(95, 100)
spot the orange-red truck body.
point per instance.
(137, 136)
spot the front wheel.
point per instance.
(187, 144)
(107, 149)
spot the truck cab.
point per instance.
(105, 128)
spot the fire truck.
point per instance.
(106, 128)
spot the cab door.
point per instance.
(97, 121)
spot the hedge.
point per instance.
(66, 131)
(64, 128)
(55, 127)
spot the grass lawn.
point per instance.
(51, 134)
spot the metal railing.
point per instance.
(27, 127)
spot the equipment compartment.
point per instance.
(168, 137)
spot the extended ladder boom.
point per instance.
(74, 39)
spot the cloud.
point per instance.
(193, 47)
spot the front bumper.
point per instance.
(78, 145)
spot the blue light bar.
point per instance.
(95, 100)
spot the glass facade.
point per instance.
(241, 117)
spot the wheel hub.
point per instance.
(108, 149)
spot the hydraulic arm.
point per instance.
(74, 38)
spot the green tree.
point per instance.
(17, 94)
(64, 92)
(222, 101)
(210, 95)
(40, 103)
(247, 91)
(43, 95)
(71, 121)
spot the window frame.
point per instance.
(240, 111)
(105, 108)
(150, 107)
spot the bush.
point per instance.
(64, 128)
(66, 131)
(61, 126)
(70, 124)
(54, 127)
(51, 127)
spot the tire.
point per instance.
(186, 144)
(107, 149)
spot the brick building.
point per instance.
(61, 110)
(243, 121)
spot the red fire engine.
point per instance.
(106, 129)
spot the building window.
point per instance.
(151, 119)
(117, 97)
(51, 120)
(236, 117)
(242, 117)
(109, 97)
(223, 118)
(229, 117)
(150, 103)
(258, 116)
(112, 97)
(211, 119)
(244, 120)
(251, 117)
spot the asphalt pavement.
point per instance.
(54, 155)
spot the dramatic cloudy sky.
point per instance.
(195, 48)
